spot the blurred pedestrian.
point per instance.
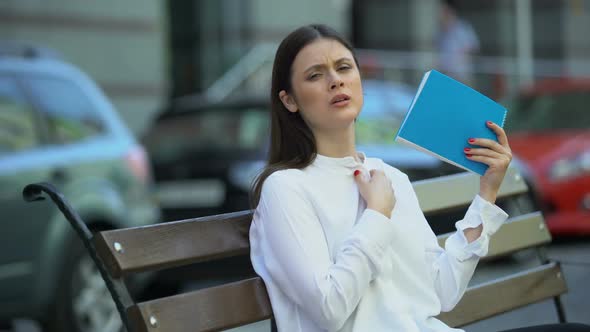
(456, 43)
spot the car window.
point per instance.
(382, 114)
(70, 115)
(17, 124)
(377, 130)
(553, 111)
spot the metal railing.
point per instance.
(496, 76)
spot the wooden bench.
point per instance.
(123, 252)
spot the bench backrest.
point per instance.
(173, 244)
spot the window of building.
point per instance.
(381, 24)
(207, 37)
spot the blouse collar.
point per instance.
(343, 164)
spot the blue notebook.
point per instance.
(444, 114)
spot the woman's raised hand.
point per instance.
(497, 155)
(376, 190)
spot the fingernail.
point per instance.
(468, 156)
(466, 149)
(489, 122)
(471, 140)
(357, 172)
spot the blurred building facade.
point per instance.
(143, 52)
(209, 36)
(122, 45)
(512, 34)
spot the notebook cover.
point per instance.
(444, 114)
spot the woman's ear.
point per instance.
(288, 101)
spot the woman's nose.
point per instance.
(336, 83)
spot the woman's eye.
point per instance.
(345, 67)
(314, 76)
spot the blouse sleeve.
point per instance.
(288, 240)
(453, 266)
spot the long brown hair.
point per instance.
(292, 144)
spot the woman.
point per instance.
(339, 238)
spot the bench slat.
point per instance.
(502, 295)
(211, 309)
(525, 231)
(175, 243)
(245, 302)
(457, 190)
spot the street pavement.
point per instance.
(575, 257)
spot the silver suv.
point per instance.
(57, 126)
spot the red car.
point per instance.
(549, 131)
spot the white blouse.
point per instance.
(331, 264)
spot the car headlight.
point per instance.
(570, 167)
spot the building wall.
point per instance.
(576, 18)
(124, 45)
(120, 44)
(211, 36)
(272, 20)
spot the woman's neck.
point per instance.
(336, 143)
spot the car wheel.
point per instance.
(83, 302)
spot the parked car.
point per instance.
(57, 126)
(205, 155)
(548, 125)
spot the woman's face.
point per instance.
(326, 86)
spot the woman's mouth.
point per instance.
(340, 100)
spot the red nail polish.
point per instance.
(471, 140)
(489, 122)
(466, 149)
(357, 172)
(468, 156)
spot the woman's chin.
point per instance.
(343, 119)
(350, 112)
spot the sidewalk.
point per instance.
(576, 301)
